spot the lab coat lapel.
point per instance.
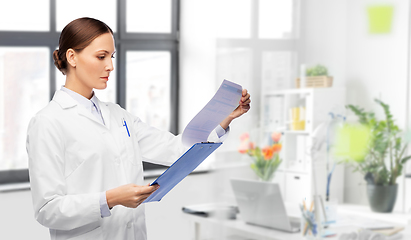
(105, 111)
(65, 101)
(84, 112)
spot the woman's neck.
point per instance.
(75, 85)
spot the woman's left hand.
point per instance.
(243, 107)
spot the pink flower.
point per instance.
(276, 136)
(244, 136)
(243, 147)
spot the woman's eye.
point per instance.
(101, 57)
(113, 56)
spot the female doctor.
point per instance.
(85, 165)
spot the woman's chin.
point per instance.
(101, 86)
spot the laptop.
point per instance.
(261, 203)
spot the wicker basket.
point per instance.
(316, 82)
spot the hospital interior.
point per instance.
(324, 143)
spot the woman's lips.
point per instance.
(104, 78)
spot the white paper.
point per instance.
(362, 222)
(225, 100)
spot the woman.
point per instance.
(85, 156)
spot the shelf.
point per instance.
(277, 115)
(290, 91)
(296, 91)
(290, 132)
(293, 171)
(297, 132)
(14, 187)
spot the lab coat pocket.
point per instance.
(127, 142)
(96, 233)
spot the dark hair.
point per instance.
(77, 35)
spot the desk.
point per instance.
(248, 231)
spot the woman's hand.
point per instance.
(240, 110)
(130, 195)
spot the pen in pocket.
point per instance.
(125, 125)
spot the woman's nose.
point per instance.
(110, 66)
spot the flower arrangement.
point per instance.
(265, 160)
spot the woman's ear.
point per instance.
(71, 57)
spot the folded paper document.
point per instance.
(195, 135)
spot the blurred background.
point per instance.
(171, 57)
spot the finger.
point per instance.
(148, 189)
(141, 199)
(245, 98)
(244, 92)
(138, 203)
(246, 102)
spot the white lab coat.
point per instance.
(73, 158)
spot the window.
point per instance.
(149, 16)
(28, 38)
(24, 72)
(256, 46)
(104, 10)
(13, 17)
(148, 86)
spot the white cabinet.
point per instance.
(296, 173)
(296, 186)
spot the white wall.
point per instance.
(324, 37)
(17, 217)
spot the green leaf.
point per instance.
(404, 160)
(385, 147)
(318, 70)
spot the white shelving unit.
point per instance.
(295, 174)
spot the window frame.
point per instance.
(259, 45)
(124, 42)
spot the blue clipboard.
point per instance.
(181, 168)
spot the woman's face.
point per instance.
(94, 63)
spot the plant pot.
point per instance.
(382, 197)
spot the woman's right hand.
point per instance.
(130, 195)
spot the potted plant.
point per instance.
(265, 160)
(316, 76)
(384, 158)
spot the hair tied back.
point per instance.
(57, 61)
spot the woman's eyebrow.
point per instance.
(105, 51)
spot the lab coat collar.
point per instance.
(65, 101)
(105, 112)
